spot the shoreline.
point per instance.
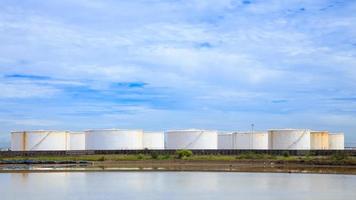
(182, 165)
(183, 160)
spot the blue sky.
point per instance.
(172, 64)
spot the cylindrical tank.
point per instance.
(113, 139)
(249, 140)
(153, 140)
(39, 140)
(319, 139)
(225, 141)
(246, 140)
(289, 139)
(336, 141)
(76, 141)
(191, 139)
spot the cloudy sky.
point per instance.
(169, 64)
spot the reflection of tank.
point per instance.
(191, 139)
(153, 140)
(336, 141)
(76, 141)
(114, 139)
(39, 140)
(319, 140)
(289, 139)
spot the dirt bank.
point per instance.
(181, 165)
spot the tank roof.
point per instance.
(336, 133)
(112, 129)
(250, 132)
(289, 129)
(187, 130)
(38, 131)
(314, 131)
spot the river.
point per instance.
(175, 185)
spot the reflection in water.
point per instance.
(175, 185)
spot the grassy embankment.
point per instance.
(186, 155)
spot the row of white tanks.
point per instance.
(289, 139)
(116, 139)
(305, 139)
(47, 140)
(106, 139)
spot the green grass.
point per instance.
(211, 158)
(337, 159)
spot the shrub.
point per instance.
(249, 155)
(165, 157)
(271, 156)
(102, 158)
(184, 153)
(154, 154)
(285, 153)
(339, 156)
(140, 156)
(310, 154)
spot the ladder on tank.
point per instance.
(298, 140)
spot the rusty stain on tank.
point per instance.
(24, 141)
(319, 140)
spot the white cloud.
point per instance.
(26, 90)
(34, 122)
(253, 54)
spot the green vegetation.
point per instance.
(154, 155)
(102, 158)
(164, 157)
(342, 158)
(286, 154)
(182, 154)
(210, 158)
(338, 158)
(140, 156)
(253, 156)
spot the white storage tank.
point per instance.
(336, 141)
(153, 140)
(76, 141)
(289, 139)
(225, 141)
(249, 140)
(319, 140)
(39, 140)
(191, 139)
(113, 139)
(245, 140)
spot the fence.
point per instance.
(195, 152)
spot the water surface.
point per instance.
(175, 185)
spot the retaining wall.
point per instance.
(195, 152)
